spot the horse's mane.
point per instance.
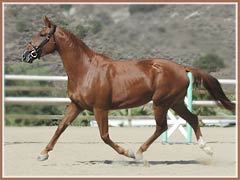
(73, 41)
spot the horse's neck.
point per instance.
(75, 55)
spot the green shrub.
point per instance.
(66, 7)
(11, 90)
(210, 63)
(63, 23)
(104, 18)
(12, 11)
(203, 111)
(141, 111)
(96, 27)
(162, 29)
(136, 8)
(21, 26)
(81, 31)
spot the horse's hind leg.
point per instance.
(160, 115)
(192, 119)
(102, 120)
(71, 113)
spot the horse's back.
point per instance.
(148, 79)
(170, 81)
(129, 82)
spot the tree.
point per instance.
(209, 62)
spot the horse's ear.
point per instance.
(47, 22)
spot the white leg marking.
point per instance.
(139, 157)
(201, 142)
(42, 157)
(204, 147)
(131, 153)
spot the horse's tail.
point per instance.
(212, 85)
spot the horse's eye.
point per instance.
(41, 35)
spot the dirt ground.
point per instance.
(80, 152)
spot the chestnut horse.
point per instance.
(99, 84)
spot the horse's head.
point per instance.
(42, 43)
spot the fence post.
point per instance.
(189, 105)
(164, 137)
(129, 117)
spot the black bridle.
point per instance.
(36, 52)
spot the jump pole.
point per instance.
(189, 106)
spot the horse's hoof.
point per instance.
(207, 150)
(131, 154)
(204, 147)
(139, 157)
(42, 157)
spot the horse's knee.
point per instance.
(161, 127)
(105, 138)
(164, 127)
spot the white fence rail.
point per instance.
(64, 78)
(64, 101)
(37, 100)
(35, 78)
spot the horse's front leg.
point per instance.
(102, 120)
(71, 113)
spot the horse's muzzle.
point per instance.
(29, 56)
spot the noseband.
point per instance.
(36, 52)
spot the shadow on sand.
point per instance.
(138, 163)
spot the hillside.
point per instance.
(182, 33)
